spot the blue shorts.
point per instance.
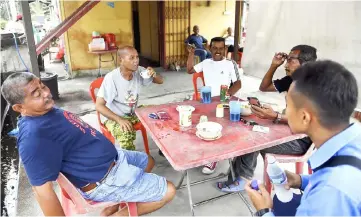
(128, 182)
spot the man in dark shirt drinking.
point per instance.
(245, 165)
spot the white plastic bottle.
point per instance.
(279, 179)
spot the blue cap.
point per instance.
(254, 185)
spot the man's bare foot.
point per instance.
(109, 210)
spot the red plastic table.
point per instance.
(184, 150)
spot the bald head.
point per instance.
(129, 59)
(196, 29)
(229, 30)
(126, 50)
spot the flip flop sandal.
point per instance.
(223, 184)
(232, 187)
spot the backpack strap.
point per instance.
(341, 160)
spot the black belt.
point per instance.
(91, 186)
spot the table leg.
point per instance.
(231, 168)
(114, 59)
(249, 206)
(190, 193)
(219, 176)
(179, 185)
(99, 65)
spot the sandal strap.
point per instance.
(224, 185)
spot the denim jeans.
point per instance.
(203, 54)
(245, 165)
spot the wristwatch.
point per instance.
(278, 118)
(261, 212)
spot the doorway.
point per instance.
(160, 28)
(135, 16)
(146, 32)
(174, 29)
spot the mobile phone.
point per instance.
(254, 101)
(163, 115)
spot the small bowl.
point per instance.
(209, 129)
(245, 108)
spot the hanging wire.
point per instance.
(16, 44)
(17, 49)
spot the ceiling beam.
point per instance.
(66, 24)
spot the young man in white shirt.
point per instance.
(217, 71)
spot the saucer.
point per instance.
(209, 139)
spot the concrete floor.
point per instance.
(177, 87)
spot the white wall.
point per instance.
(333, 27)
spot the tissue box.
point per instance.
(97, 44)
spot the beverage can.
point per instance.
(223, 93)
(228, 96)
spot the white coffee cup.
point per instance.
(185, 118)
(185, 115)
(145, 73)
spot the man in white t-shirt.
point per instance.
(217, 71)
(118, 96)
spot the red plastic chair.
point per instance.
(73, 202)
(197, 95)
(297, 159)
(240, 54)
(138, 126)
